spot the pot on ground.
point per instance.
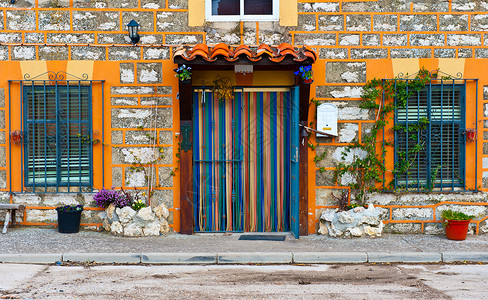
(457, 229)
(69, 220)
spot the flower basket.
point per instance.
(69, 218)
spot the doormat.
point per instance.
(262, 237)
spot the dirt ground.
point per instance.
(256, 282)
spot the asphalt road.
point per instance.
(365, 281)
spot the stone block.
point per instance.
(358, 23)
(410, 53)
(330, 257)
(469, 5)
(366, 130)
(306, 22)
(87, 53)
(430, 5)
(349, 39)
(84, 20)
(177, 4)
(113, 39)
(41, 215)
(23, 52)
(369, 53)
(412, 214)
(331, 91)
(464, 40)
(427, 40)
(145, 19)
(10, 38)
(409, 228)
(371, 40)
(21, 20)
(53, 3)
(140, 137)
(464, 53)
(323, 197)
(166, 137)
(165, 177)
(132, 90)
(478, 211)
(481, 53)
(360, 6)
(2, 25)
(385, 22)
(172, 21)
(124, 53)
(124, 101)
(326, 53)
(153, 4)
(418, 23)
(145, 117)
(54, 20)
(315, 39)
(331, 23)
(453, 22)
(394, 40)
(33, 37)
(183, 39)
(162, 90)
(345, 72)
(105, 4)
(156, 101)
(134, 155)
(318, 7)
(149, 73)
(155, 53)
(4, 52)
(117, 176)
(324, 178)
(445, 53)
(348, 132)
(462, 256)
(151, 39)
(269, 32)
(165, 197)
(53, 53)
(434, 228)
(70, 38)
(27, 199)
(126, 73)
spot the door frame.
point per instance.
(185, 96)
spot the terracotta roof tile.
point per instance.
(223, 52)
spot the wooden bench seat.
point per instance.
(10, 216)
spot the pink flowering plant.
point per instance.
(120, 198)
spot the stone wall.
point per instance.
(355, 41)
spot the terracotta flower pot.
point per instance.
(308, 81)
(457, 229)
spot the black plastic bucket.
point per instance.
(69, 222)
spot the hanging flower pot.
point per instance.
(306, 74)
(470, 135)
(69, 218)
(308, 81)
(457, 224)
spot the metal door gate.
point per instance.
(244, 159)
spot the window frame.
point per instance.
(61, 181)
(450, 184)
(242, 17)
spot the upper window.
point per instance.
(57, 135)
(430, 139)
(242, 10)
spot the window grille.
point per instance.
(430, 139)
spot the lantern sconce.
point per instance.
(12, 1)
(470, 135)
(16, 137)
(133, 27)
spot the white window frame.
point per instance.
(242, 17)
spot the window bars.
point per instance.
(56, 133)
(430, 136)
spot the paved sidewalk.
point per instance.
(46, 245)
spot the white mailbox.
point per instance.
(327, 119)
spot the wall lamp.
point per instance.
(12, 1)
(133, 29)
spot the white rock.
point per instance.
(116, 228)
(133, 229)
(152, 229)
(370, 220)
(344, 217)
(161, 211)
(356, 231)
(333, 231)
(374, 231)
(126, 214)
(111, 214)
(145, 214)
(322, 229)
(164, 226)
(358, 209)
(106, 225)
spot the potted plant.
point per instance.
(183, 73)
(456, 224)
(306, 74)
(69, 218)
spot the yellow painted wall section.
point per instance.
(80, 68)
(196, 12)
(288, 13)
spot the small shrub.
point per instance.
(138, 204)
(70, 208)
(455, 215)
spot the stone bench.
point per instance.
(10, 216)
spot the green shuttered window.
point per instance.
(429, 138)
(57, 135)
